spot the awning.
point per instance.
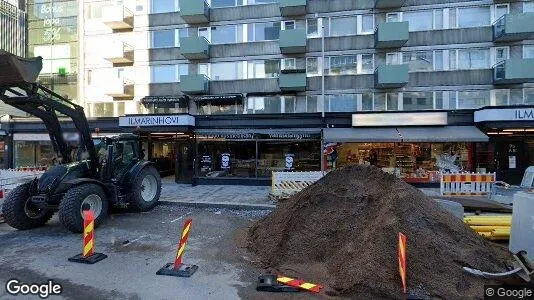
(442, 134)
(339, 135)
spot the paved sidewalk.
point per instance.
(218, 195)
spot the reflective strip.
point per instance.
(307, 285)
(89, 228)
(88, 248)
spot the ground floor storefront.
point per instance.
(415, 146)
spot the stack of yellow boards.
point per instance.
(492, 227)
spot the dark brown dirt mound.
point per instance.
(342, 232)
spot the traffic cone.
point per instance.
(88, 255)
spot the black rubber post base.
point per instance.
(93, 259)
(183, 271)
(268, 283)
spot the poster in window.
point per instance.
(512, 162)
(225, 161)
(290, 158)
(205, 162)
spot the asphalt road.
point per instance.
(138, 245)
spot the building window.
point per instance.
(103, 110)
(313, 27)
(163, 38)
(164, 73)
(225, 3)
(528, 6)
(264, 105)
(528, 51)
(263, 68)
(342, 103)
(419, 20)
(470, 59)
(528, 96)
(473, 99)
(228, 34)
(258, 32)
(474, 16)
(313, 67)
(349, 64)
(419, 61)
(342, 26)
(500, 97)
(33, 154)
(417, 100)
(227, 71)
(164, 6)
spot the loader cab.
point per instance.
(117, 155)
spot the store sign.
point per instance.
(292, 135)
(228, 136)
(220, 98)
(164, 120)
(506, 114)
(400, 119)
(163, 99)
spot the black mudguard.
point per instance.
(127, 182)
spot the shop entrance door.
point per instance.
(184, 162)
(512, 161)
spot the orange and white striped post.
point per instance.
(402, 260)
(178, 268)
(181, 244)
(88, 255)
(88, 233)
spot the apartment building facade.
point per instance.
(231, 90)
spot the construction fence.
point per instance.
(285, 184)
(466, 184)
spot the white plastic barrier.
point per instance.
(466, 184)
(288, 183)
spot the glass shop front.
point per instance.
(256, 153)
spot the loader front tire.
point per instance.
(86, 196)
(146, 189)
(19, 212)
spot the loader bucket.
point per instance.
(15, 69)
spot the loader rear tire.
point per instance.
(79, 198)
(146, 189)
(19, 212)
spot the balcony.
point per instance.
(195, 11)
(514, 27)
(293, 41)
(120, 54)
(121, 90)
(513, 71)
(195, 47)
(391, 76)
(389, 3)
(292, 81)
(194, 84)
(118, 18)
(290, 8)
(391, 35)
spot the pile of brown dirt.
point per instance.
(342, 232)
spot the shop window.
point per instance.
(414, 162)
(32, 154)
(227, 159)
(280, 156)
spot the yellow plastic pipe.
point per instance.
(501, 233)
(488, 228)
(488, 222)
